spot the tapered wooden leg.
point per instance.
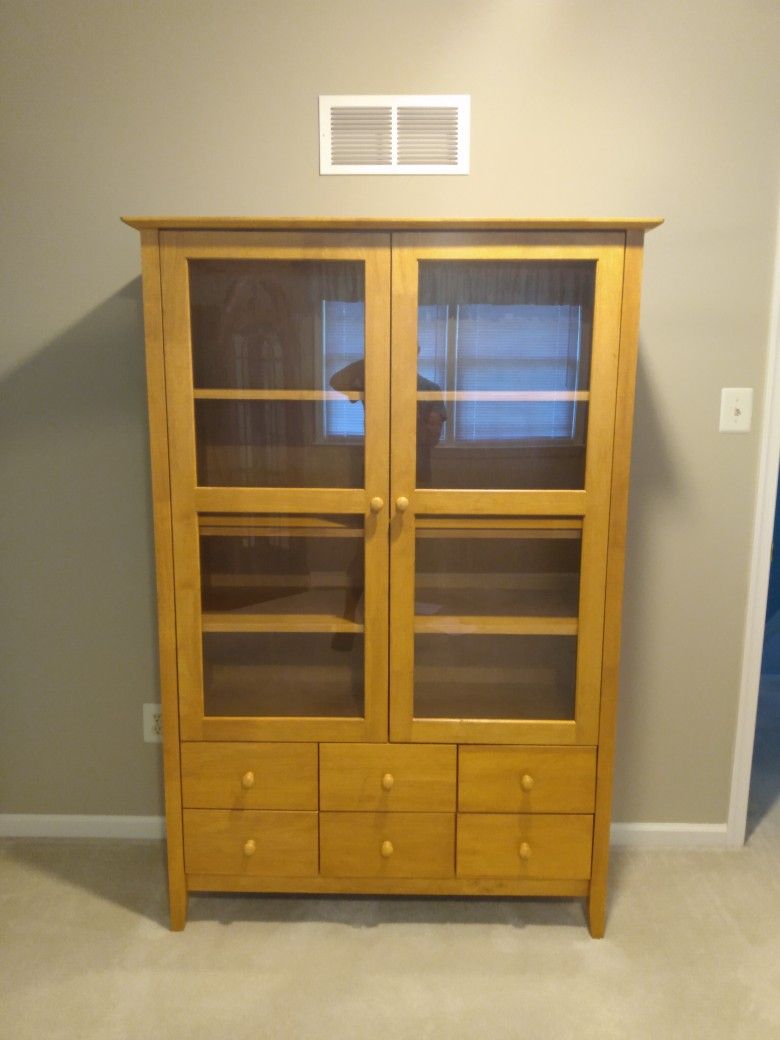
(597, 909)
(178, 898)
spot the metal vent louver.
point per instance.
(410, 134)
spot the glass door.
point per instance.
(505, 355)
(277, 372)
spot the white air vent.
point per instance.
(377, 133)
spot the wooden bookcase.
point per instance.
(390, 474)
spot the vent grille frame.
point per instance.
(408, 134)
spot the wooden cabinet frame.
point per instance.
(391, 251)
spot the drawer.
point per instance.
(382, 777)
(273, 844)
(533, 845)
(526, 779)
(400, 844)
(249, 776)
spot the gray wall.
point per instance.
(579, 109)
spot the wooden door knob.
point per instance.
(387, 849)
(402, 504)
(248, 780)
(388, 781)
(249, 847)
(527, 782)
(525, 850)
(376, 504)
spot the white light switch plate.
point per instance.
(736, 409)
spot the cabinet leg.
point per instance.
(597, 909)
(178, 898)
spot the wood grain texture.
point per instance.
(615, 556)
(490, 779)
(284, 775)
(598, 465)
(377, 451)
(557, 846)
(423, 844)
(387, 822)
(389, 224)
(488, 888)
(501, 626)
(285, 843)
(423, 777)
(164, 574)
(236, 622)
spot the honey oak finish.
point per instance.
(385, 802)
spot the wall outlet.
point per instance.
(152, 723)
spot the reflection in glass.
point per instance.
(494, 677)
(275, 444)
(274, 324)
(282, 618)
(282, 564)
(503, 572)
(287, 674)
(504, 356)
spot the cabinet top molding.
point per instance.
(386, 224)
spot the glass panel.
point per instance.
(503, 373)
(496, 606)
(500, 572)
(494, 677)
(293, 674)
(282, 600)
(278, 444)
(274, 324)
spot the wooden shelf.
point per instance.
(479, 625)
(238, 622)
(228, 394)
(503, 395)
(325, 526)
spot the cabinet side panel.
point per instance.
(621, 461)
(163, 545)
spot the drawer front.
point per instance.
(271, 844)
(532, 779)
(524, 846)
(249, 776)
(388, 777)
(354, 844)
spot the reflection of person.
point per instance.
(431, 415)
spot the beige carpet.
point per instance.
(692, 951)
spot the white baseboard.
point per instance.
(669, 835)
(40, 825)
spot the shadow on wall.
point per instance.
(78, 629)
(655, 480)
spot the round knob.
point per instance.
(249, 847)
(525, 850)
(376, 504)
(402, 504)
(248, 780)
(388, 781)
(387, 849)
(527, 782)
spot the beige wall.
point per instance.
(579, 108)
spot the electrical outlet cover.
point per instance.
(152, 723)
